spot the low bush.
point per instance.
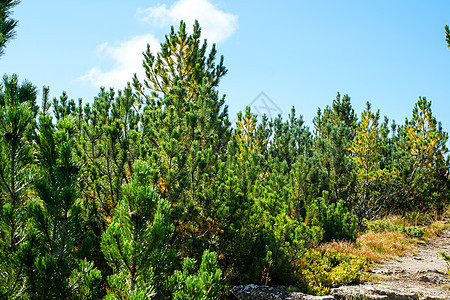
(394, 224)
(413, 231)
(390, 224)
(417, 218)
(325, 268)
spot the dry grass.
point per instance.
(386, 244)
(375, 246)
(398, 219)
(435, 228)
(351, 248)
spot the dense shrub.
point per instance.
(336, 222)
(322, 269)
(394, 225)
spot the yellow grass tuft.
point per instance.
(351, 248)
(435, 228)
(386, 244)
(375, 246)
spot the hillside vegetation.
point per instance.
(151, 192)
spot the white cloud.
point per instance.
(127, 60)
(216, 25)
(127, 56)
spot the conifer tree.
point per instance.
(421, 160)
(17, 112)
(55, 214)
(374, 176)
(334, 130)
(447, 35)
(291, 147)
(186, 128)
(135, 243)
(205, 284)
(7, 24)
(334, 220)
(291, 139)
(111, 142)
(261, 236)
(247, 170)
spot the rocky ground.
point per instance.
(419, 275)
(422, 272)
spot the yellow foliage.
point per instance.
(161, 184)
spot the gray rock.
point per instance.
(363, 291)
(384, 271)
(371, 292)
(254, 292)
(433, 276)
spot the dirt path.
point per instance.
(422, 272)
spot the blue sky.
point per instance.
(299, 53)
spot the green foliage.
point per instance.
(374, 176)
(394, 225)
(110, 142)
(384, 225)
(85, 281)
(205, 284)
(322, 269)
(55, 215)
(445, 257)
(335, 221)
(420, 151)
(181, 102)
(17, 112)
(418, 218)
(137, 237)
(335, 129)
(413, 231)
(447, 35)
(7, 24)
(120, 198)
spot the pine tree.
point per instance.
(185, 127)
(205, 284)
(262, 239)
(17, 112)
(111, 142)
(421, 160)
(447, 35)
(7, 24)
(135, 243)
(291, 148)
(291, 139)
(369, 151)
(55, 214)
(334, 130)
(246, 169)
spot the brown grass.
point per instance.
(398, 219)
(386, 244)
(435, 228)
(375, 246)
(351, 248)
